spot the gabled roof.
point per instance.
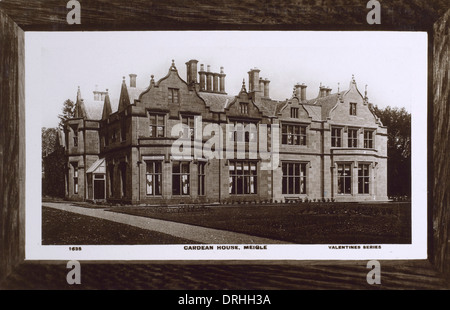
(327, 103)
(94, 109)
(98, 166)
(216, 102)
(268, 107)
(314, 111)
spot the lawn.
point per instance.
(65, 228)
(304, 223)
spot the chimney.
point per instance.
(303, 93)
(133, 80)
(266, 88)
(327, 91)
(208, 79)
(191, 71)
(253, 80)
(261, 84)
(222, 80)
(215, 82)
(96, 94)
(298, 91)
(322, 91)
(202, 75)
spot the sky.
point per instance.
(393, 65)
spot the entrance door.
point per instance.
(99, 187)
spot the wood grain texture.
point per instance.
(223, 14)
(441, 143)
(18, 15)
(12, 145)
(330, 275)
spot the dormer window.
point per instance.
(294, 112)
(173, 96)
(244, 107)
(353, 108)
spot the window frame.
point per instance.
(75, 177)
(353, 108)
(351, 138)
(370, 140)
(342, 179)
(297, 137)
(248, 182)
(190, 122)
(180, 176)
(294, 112)
(334, 138)
(156, 177)
(171, 95)
(201, 178)
(154, 131)
(365, 179)
(296, 178)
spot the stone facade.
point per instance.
(330, 147)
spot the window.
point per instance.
(123, 179)
(180, 178)
(353, 138)
(244, 132)
(336, 137)
(344, 179)
(189, 121)
(111, 180)
(294, 178)
(353, 108)
(243, 178)
(153, 176)
(294, 112)
(75, 178)
(244, 107)
(201, 178)
(174, 95)
(293, 134)
(123, 130)
(363, 179)
(114, 136)
(75, 137)
(368, 139)
(156, 125)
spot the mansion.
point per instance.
(122, 151)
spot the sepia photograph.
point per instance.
(210, 147)
(245, 139)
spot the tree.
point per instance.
(68, 111)
(398, 123)
(53, 163)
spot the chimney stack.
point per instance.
(322, 91)
(303, 93)
(191, 71)
(133, 80)
(222, 80)
(202, 75)
(208, 79)
(266, 88)
(215, 82)
(253, 80)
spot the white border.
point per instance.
(417, 250)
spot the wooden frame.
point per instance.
(17, 16)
